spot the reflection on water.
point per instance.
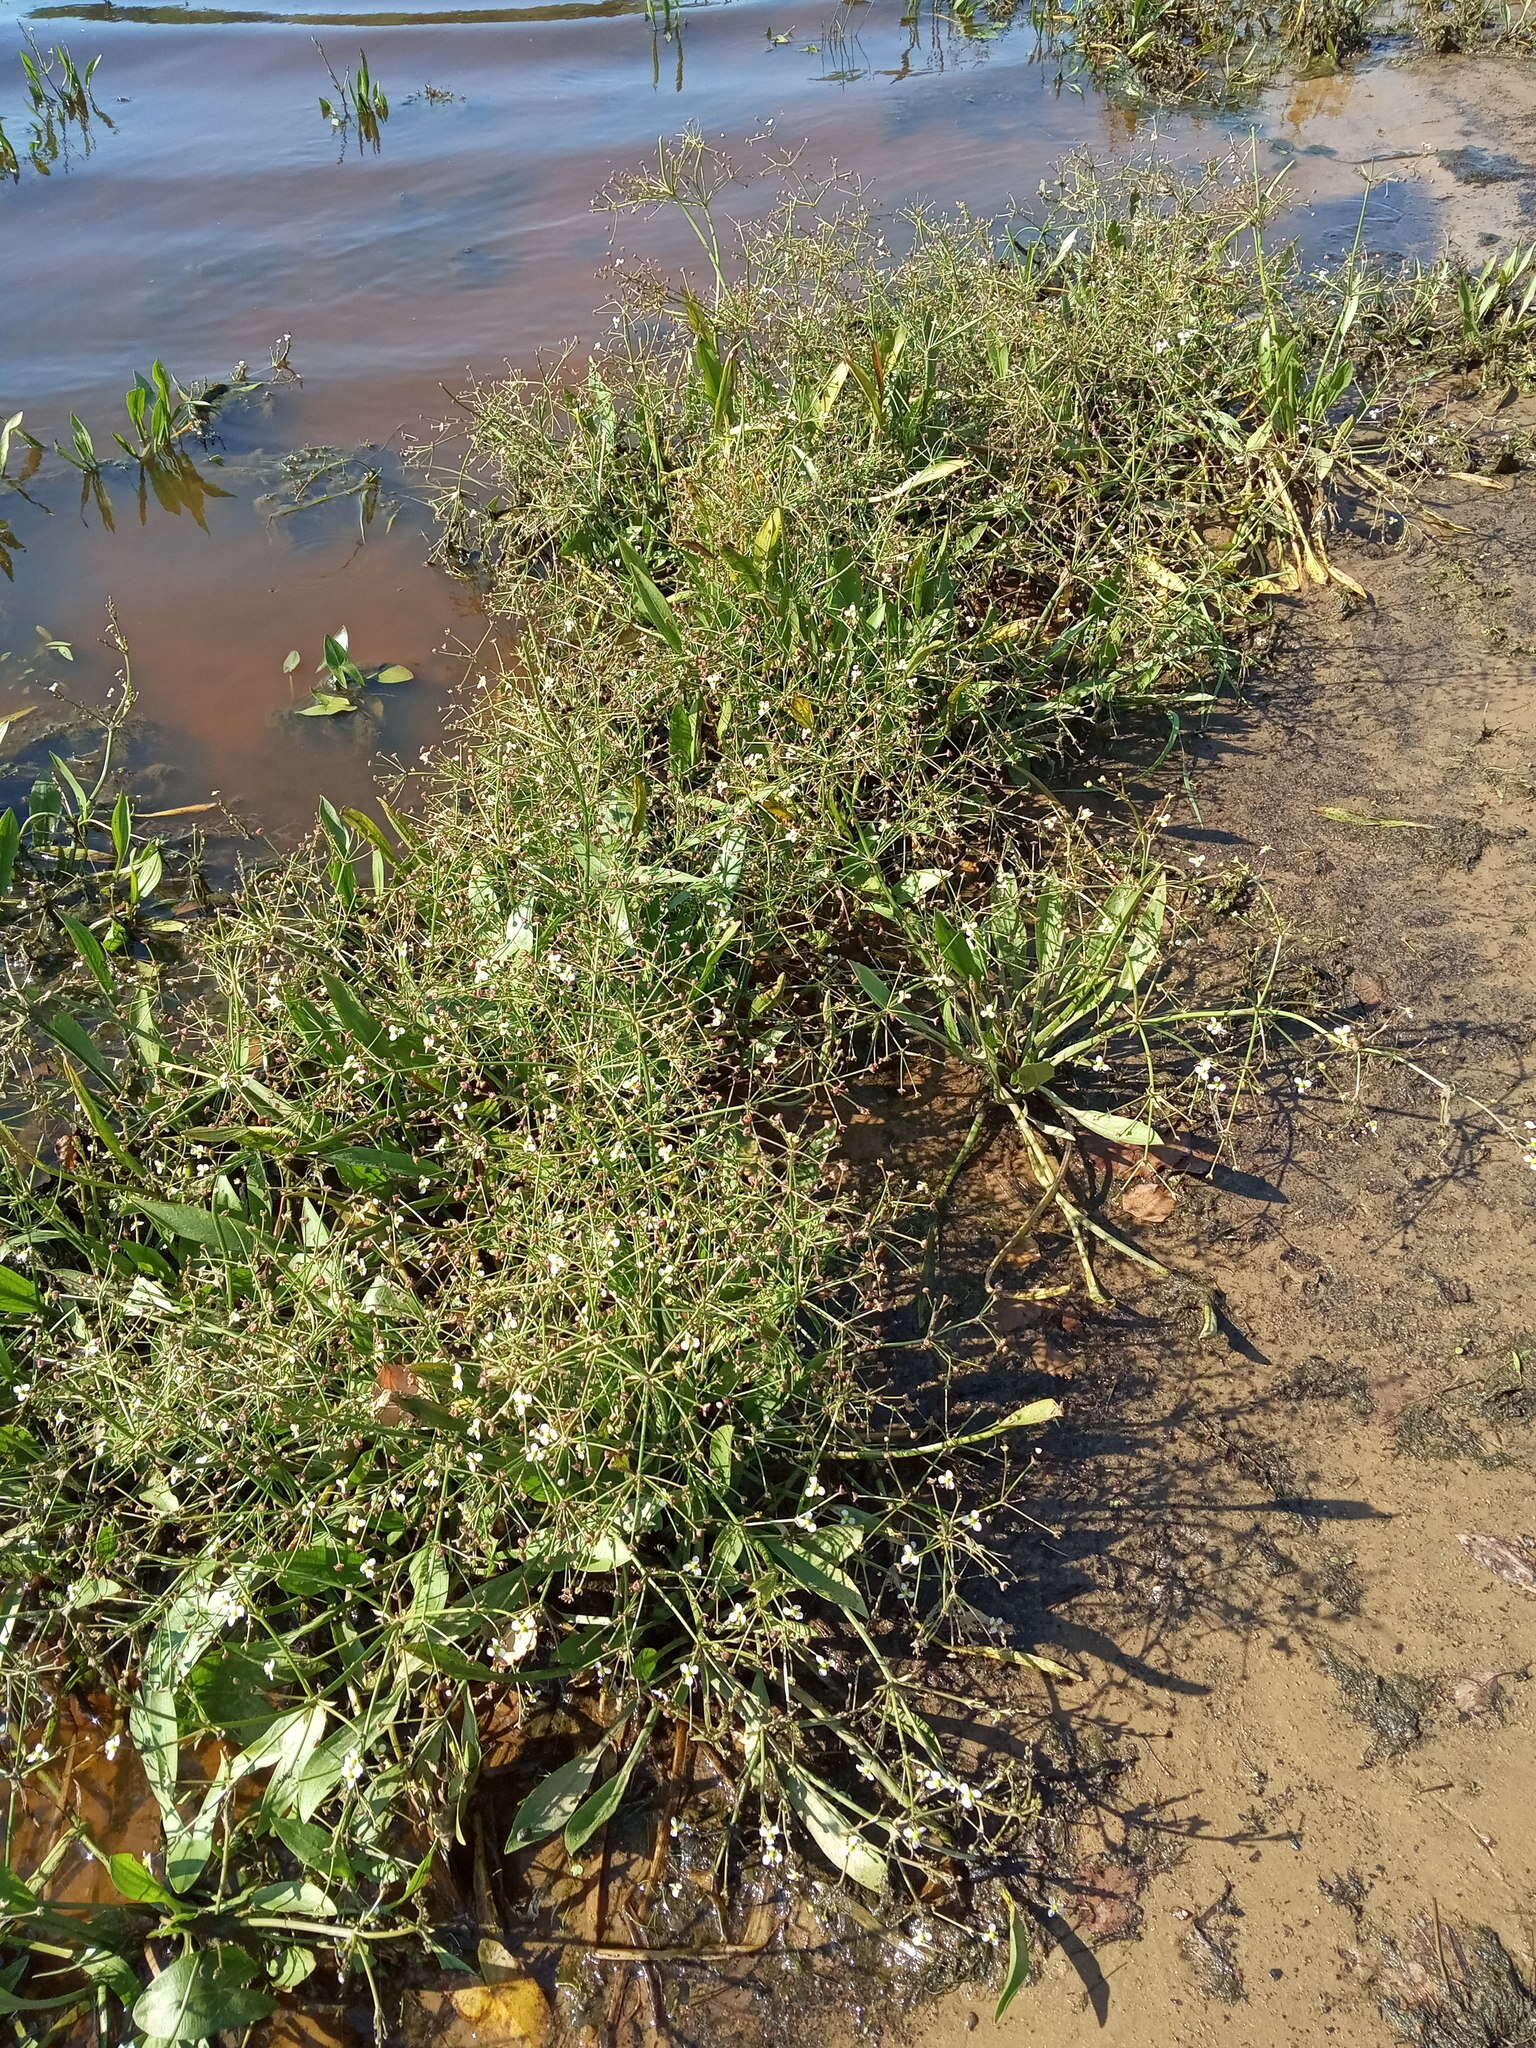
(216, 212)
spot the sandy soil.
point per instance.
(1263, 1572)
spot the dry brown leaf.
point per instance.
(1477, 1695)
(393, 1380)
(1513, 1566)
(1148, 1201)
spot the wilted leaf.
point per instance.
(1477, 1696)
(1503, 1560)
(393, 1380)
(1148, 1201)
(514, 2009)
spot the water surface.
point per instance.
(220, 211)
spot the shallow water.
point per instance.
(220, 211)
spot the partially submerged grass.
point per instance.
(61, 109)
(459, 1303)
(1207, 50)
(360, 106)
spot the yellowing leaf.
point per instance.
(933, 474)
(513, 2010)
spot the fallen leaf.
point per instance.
(1341, 814)
(1477, 1696)
(1147, 1201)
(497, 1963)
(514, 2009)
(393, 1380)
(1503, 1560)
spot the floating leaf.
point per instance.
(394, 673)
(326, 704)
(291, 661)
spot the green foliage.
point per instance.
(461, 1299)
(61, 107)
(360, 105)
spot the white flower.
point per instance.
(352, 1768)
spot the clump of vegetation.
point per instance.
(1467, 1992)
(1170, 50)
(1395, 1708)
(340, 684)
(61, 109)
(458, 1302)
(360, 106)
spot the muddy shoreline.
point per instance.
(1323, 1686)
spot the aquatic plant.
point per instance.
(342, 684)
(62, 109)
(458, 1319)
(360, 104)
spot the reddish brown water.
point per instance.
(221, 212)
